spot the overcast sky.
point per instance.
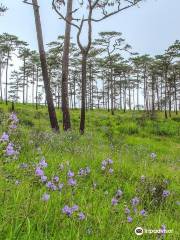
(149, 29)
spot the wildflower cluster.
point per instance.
(7, 147)
(106, 165)
(52, 184)
(84, 172)
(69, 211)
(39, 169)
(134, 209)
(13, 121)
(117, 197)
(71, 181)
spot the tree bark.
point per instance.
(49, 97)
(83, 93)
(112, 90)
(24, 78)
(165, 97)
(65, 69)
(7, 67)
(0, 81)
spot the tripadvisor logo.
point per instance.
(139, 231)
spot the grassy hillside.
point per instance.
(125, 175)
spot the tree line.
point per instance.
(105, 73)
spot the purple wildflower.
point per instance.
(45, 197)
(81, 172)
(43, 163)
(129, 219)
(60, 186)
(87, 170)
(163, 229)
(72, 182)
(143, 212)
(111, 170)
(10, 150)
(70, 174)
(4, 137)
(67, 210)
(23, 165)
(110, 161)
(56, 179)
(49, 184)
(74, 208)
(81, 216)
(135, 210)
(135, 201)
(119, 193)
(13, 117)
(13, 126)
(43, 178)
(39, 172)
(104, 163)
(127, 211)
(53, 187)
(114, 201)
(166, 193)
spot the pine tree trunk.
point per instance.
(65, 70)
(37, 82)
(24, 78)
(175, 95)
(120, 94)
(129, 95)
(165, 97)
(74, 85)
(138, 91)
(0, 81)
(169, 100)
(83, 93)
(153, 97)
(33, 86)
(27, 90)
(49, 97)
(7, 67)
(112, 91)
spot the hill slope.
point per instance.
(121, 174)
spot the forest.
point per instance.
(89, 130)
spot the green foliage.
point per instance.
(128, 139)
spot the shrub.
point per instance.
(128, 128)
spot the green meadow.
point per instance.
(145, 156)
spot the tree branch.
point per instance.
(64, 18)
(116, 11)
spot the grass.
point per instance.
(127, 138)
